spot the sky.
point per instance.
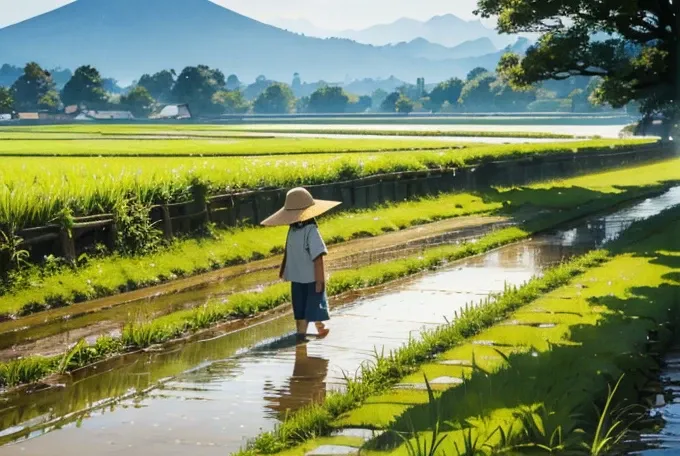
(327, 14)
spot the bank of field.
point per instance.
(35, 190)
(110, 275)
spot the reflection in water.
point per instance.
(667, 439)
(307, 384)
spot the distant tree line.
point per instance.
(209, 93)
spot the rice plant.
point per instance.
(613, 424)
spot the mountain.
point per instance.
(447, 30)
(126, 38)
(421, 48)
(302, 26)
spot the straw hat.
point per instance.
(300, 206)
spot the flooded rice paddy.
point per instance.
(581, 127)
(209, 396)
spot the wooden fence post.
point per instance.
(68, 246)
(200, 201)
(167, 222)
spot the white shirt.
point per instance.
(303, 246)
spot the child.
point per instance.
(303, 260)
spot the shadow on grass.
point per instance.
(564, 198)
(569, 379)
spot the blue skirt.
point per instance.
(308, 304)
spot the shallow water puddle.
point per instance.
(209, 397)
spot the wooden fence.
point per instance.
(251, 207)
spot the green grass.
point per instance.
(107, 276)
(16, 144)
(556, 375)
(35, 190)
(538, 380)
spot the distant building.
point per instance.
(73, 109)
(5, 117)
(178, 112)
(104, 115)
(28, 116)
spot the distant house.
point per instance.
(70, 110)
(5, 117)
(104, 115)
(54, 116)
(28, 116)
(178, 111)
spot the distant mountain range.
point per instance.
(447, 30)
(126, 38)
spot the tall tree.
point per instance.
(639, 59)
(197, 86)
(328, 100)
(6, 101)
(159, 85)
(138, 101)
(232, 101)
(447, 91)
(404, 105)
(276, 99)
(362, 104)
(389, 104)
(31, 87)
(86, 86)
(475, 73)
(477, 95)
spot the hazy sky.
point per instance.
(330, 14)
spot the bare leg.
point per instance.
(301, 327)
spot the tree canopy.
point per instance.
(232, 101)
(447, 91)
(276, 99)
(197, 86)
(31, 87)
(138, 101)
(86, 86)
(6, 101)
(632, 45)
(328, 100)
(159, 85)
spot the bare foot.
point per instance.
(323, 332)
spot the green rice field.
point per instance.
(34, 190)
(75, 145)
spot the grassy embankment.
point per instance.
(523, 371)
(144, 334)
(114, 274)
(36, 190)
